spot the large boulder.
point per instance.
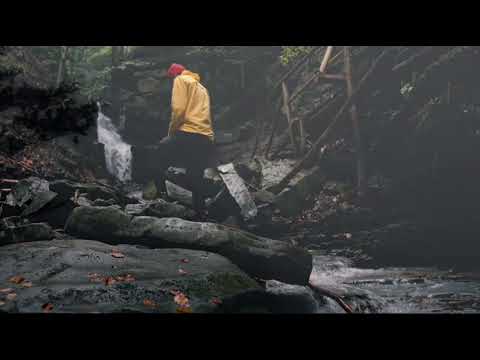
(160, 209)
(260, 257)
(17, 230)
(81, 276)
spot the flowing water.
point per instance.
(118, 154)
(397, 290)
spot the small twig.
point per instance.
(331, 295)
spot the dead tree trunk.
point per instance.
(361, 168)
(61, 65)
(116, 53)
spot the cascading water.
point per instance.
(118, 153)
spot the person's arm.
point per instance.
(179, 105)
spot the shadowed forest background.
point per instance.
(345, 179)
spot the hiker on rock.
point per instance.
(190, 135)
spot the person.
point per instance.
(190, 135)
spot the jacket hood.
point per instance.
(191, 74)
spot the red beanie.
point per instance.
(175, 70)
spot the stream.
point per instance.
(383, 290)
(396, 290)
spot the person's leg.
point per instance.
(166, 157)
(195, 171)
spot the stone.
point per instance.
(238, 190)
(258, 256)
(160, 209)
(71, 275)
(150, 191)
(12, 234)
(66, 189)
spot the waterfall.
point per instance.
(118, 154)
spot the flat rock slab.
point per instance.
(259, 257)
(160, 208)
(70, 275)
(238, 190)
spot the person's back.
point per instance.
(190, 106)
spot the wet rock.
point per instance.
(71, 275)
(101, 202)
(160, 209)
(258, 256)
(263, 197)
(39, 201)
(294, 198)
(25, 190)
(13, 233)
(179, 194)
(66, 189)
(150, 191)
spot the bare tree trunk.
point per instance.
(61, 64)
(116, 53)
(361, 168)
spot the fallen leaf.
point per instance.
(110, 281)
(184, 309)
(216, 301)
(94, 277)
(181, 299)
(47, 307)
(17, 279)
(27, 284)
(129, 278)
(11, 296)
(6, 290)
(182, 272)
(117, 255)
(186, 261)
(150, 303)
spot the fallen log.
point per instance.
(260, 257)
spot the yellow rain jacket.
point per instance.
(190, 106)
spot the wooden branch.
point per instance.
(326, 58)
(339, 77)
(324, 292)
(323, 138)
(286, 107)
(295, 67)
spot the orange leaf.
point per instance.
(150, 303)
(184, 309)
(110, 281)
(27, 284)
(17, 279)
(182, 272)
(185, 261)
(11, 296)
(117, 254)
(6, 290)
(216, 301)
(181, 299)
(47, 307)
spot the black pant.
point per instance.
(189, 150)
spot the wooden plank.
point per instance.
(326, 58)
